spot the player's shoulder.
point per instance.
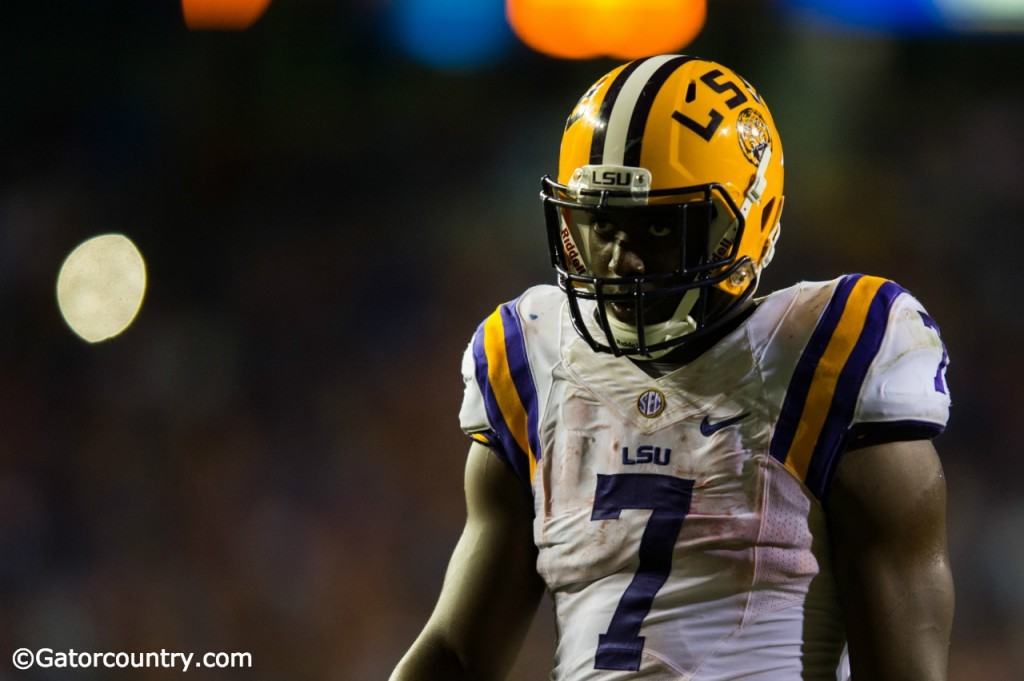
(814, 296)
(850, 303)
(851, 360)
(525, 330)
(506, 370)
(531, 319)
(867, 331)
(541, 300)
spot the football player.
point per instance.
(712, 486)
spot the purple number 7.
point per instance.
(668, 498)
(940, 384)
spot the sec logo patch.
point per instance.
(651, 403)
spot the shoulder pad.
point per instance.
(864, 361)
(500, 406)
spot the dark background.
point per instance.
(269, 459)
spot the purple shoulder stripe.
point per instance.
(800, 383)
(519, 367)
(833, 434)
(504, 445)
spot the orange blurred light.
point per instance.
(625, 29)
(225, 15)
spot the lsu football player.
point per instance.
(711, 486)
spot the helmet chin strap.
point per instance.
(758, 183)
(679, 324)
(752, 197)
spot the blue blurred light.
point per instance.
(455, 34)
(912, 16)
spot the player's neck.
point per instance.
(688, 352)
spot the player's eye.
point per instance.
(659, 231)
(604, 228)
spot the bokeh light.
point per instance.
(100, 287)
(905, 15)
(986, 15)
(451, 34)
(224, 15)
(916, 16)
(623, 29)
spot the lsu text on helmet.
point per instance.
(678, 159)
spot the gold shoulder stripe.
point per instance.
(826, 374)
(499, 375)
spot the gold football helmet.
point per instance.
(677, 158)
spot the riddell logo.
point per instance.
(724, 248)
(572, 253)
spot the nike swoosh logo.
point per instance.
(707, 429)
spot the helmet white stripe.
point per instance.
(618, 121)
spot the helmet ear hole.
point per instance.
(767, 214)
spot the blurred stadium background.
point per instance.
(269, 459)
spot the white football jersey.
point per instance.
(679, 520)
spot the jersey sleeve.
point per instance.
(905, 391)
(473, 414)
(499, 405)
(872, 371)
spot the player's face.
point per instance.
(621, 247)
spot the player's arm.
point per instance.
(887, 518)
(491, 589)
